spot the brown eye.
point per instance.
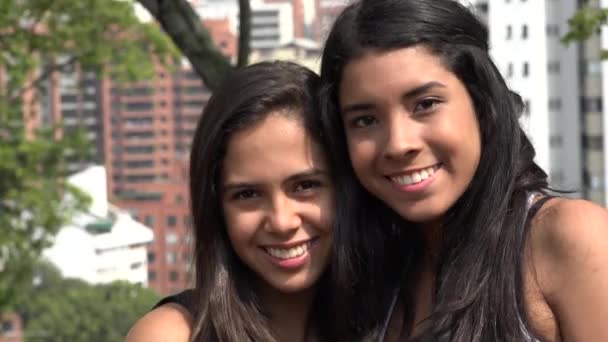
(245, 194)
(307, 185)
(363, 121)
(426, 105)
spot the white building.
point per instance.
(528, 51)
(104, 244)
(562, 87)
(271, 24)
(303, 51)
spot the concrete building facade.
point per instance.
(148, 131)
(105, 243)
(563, 88)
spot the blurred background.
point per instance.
(99, 100)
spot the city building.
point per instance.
(303, 51)
(72, 97)
(298, 19)
(594, 121)
(562, 87)
(149, 127)
(273, 22)
(103, 244)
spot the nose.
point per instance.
(402, 137)
(283, 215)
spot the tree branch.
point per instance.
(42, 77)
(244, 33)
(183, 25)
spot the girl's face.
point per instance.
(412, 133)
(278, 202)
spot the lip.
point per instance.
(293, 263)
(418, 187)
(289, 244)
(411, 170)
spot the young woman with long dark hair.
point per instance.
(262, 203)
(418, 113)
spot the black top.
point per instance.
(184, 298)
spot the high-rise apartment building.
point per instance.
(149, 126)
(562, 86)
(273, 22)
(72, 97)
(298, 17)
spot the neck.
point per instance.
(432, 233)
(288, 313)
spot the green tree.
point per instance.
(63, 309)
(37, 39)
(41, 37)
(586, 22)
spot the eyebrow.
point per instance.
(312, 172)
(355, 107)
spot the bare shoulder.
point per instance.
(169, 322)
(569, 250)
(565, 228)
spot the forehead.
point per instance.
(380, 70)
(276, 147)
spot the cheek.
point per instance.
(240, 226)
(361, 152)
(326, 212)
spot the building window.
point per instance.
(136, 265)
(171, 221)
(593, 142)
(509, 31)
(139, 106)
(187, 221)
(591, 104)
(553, 67)
(553, 30)
(151, 257)
(556, 141)
(555, 104)
(151, 276)
(510, 70)
(524, 31)
(173, 276)
(526, 69)
(149, 221)
(171, 238)
(171, 258)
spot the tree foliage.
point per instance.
(37, 39)
(586, 22)
(60, 309)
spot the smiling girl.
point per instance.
(419, 114)
(262, 203)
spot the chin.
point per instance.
(292, 285)
(420, 216)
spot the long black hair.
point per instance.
(478, 293)
(227, 307)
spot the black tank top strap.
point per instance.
(536, 203)
(184, 299)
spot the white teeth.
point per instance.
(288, 253)
(414, 177)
